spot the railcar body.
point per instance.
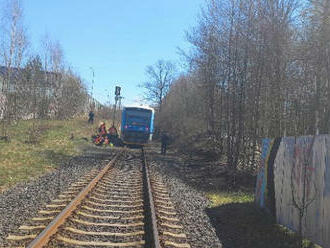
(137, 125)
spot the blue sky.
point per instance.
(117, 38)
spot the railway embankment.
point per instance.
(39, 147)
(36, 166)
(23, 201)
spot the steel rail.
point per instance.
(43, 238)
(152, 235)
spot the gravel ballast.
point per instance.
(23, 201)
(190, 205)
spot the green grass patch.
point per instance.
(221, 198)
(54, 142)
(239, 223)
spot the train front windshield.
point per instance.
(138, 118)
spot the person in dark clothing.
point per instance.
(113, 135)
(165, 141)
(113, 131)
(91, 117)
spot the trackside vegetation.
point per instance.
(36, 147)
(255, 69)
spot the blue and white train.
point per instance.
(137, 124)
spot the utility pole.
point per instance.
(107, 102)
(114, 112)
(119, 107)
(93, 73)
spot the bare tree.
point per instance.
(13, 44)
(54, 68)
(244, 65)
(72, 97)
(34, 79)
(160, 77)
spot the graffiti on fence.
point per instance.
(302, 185)
(261, 186)
(302, 169)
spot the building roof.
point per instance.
(3, 70)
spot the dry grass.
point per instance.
(21, 159)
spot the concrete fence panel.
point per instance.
(302, 186)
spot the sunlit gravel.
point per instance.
(190, 205)
(23, 201)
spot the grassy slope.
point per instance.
(21, 161)
(242, 224)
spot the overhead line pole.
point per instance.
(93, 73)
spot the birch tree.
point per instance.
(13, 45)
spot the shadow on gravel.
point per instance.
(243, 225)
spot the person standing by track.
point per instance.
(91, 117)
(165, 140)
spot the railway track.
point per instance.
(123, 205)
